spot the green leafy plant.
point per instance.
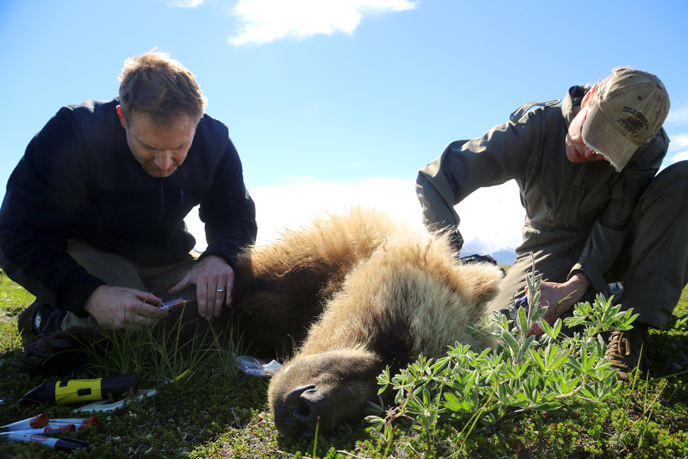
(522, 373)
(682, 323)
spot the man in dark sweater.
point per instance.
(93, 219)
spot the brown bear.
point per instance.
(410, 297)
(388, 294)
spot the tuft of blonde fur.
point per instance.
(413, 279)
(335, 241)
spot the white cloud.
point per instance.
(678, 115)
(266, 20)
(185, 3)
(491, 218)
(680, 156)
(678, 148)
(679, 142)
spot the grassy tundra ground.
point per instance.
(210, 413)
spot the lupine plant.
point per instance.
(523, 372)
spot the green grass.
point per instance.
(13, 300)
(215, 414)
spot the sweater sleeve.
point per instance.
(228, 210)
(499, 155)
(44, 195)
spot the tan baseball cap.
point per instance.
(628, 108)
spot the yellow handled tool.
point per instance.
(81, 390)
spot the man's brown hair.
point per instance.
(155, 84)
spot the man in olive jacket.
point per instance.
(595, 211)
(93, 219)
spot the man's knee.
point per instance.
(674, 176)
(163, 280)
(679, 167)
(668, 189)
(112, 268)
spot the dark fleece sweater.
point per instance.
(79, 180)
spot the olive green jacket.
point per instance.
(563, 201)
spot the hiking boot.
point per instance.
(54, 354)
(628, 350)
(26, 322)
(39, 317)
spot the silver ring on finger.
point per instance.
(220, 290)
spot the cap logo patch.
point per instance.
(637, 114)
(634, 122)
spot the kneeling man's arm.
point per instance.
(229, 215)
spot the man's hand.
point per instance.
(118, 307)
(214, 280)
(559, 298)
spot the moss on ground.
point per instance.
(215, 415)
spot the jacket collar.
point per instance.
(573, 98)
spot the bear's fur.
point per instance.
(280, 288)
(388, 294)
(410, 297)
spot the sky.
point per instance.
(333, 103)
